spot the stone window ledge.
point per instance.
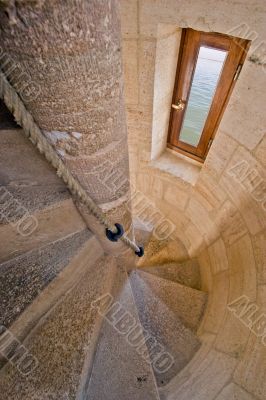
(178, 165)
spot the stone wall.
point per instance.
(218, 208)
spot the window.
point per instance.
(208, 66)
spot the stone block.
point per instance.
(220, 153)
(234, 392)
(260, 151)
(210, 191)
(130, 66)
(129, 18)
(230, 223)
(245, 183)
(205, 271)
(218, 256)
(147, 51)
(195, 238)
(201, 219)
(242, 269)
(259, 249)
(242, 121)
(233, 336)
(250, 373)
(217, 303)
(165, 65)
(175, 197)
(208, 380)
(52, 223)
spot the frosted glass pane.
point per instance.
(206, 76)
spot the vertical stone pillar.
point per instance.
(64, 59)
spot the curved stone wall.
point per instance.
(218, 209)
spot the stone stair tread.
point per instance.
(30, 199)
(38, 227)
(24, 165)
(186, 302)
(186, 273)
(119, 372)
(160, 252)
(63, 342)
(36, 207)
(163, 323)
(24, 277)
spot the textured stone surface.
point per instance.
(261, 150)
(190, 368)
(159, 252)
(90, 252)
(187, 303)
(164, 323)
(175, 197)
(187, 273)
(31, 198)
(22, 167)
(52, 223)
(141, 233)
(201, 219)
(167, 47)
(205, 271)
(244, 182)
(220, 202)
(242, 272)
(230, 223)
(220, 153)
(203, 383)
(130, 48)
(63, 342)
(250, 372)
(119, 371)
(259, 249)
(217, 302)
(223, 218)
(31, 192)
(234, 392)
(218, 257)
(24, 277)
(233, 336)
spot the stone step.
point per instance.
(169, 313)
(40, 228)
(23, 278)
(160, 252)
(186, 302)
(187, 273)
(22, 165)
(121, 369)
(63, 342)
(35, 206)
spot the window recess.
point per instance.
(208, 67)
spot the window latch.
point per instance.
(179, 106)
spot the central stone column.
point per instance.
(64, 59)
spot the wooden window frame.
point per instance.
(191, 41)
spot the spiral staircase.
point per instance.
(50, 280)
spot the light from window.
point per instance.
(208, 66)
(207, 72)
